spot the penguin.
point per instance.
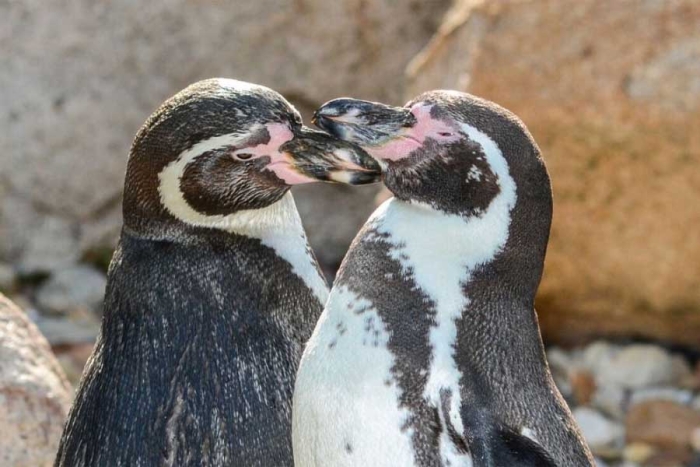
(428, 352)
(213, 288)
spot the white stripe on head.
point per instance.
(442, 255)
(278, 225)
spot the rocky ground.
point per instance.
(637, 404)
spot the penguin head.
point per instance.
(450, 150)
(221, 147)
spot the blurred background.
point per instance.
(609, 89)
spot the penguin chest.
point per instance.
(347, 410)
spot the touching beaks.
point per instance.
(365, 123)
(314, 155)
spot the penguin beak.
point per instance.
(368, 124)
(317, 155)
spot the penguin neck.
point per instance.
(277, 226)
(448, 255)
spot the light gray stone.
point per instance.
(51, 245)
(679, 396)
(64, 331)
(610, 400)
(34, 393)
(561, 364)
(76, 288)
(695, 403)
(600, 432)
(637, 366)
(8, 276)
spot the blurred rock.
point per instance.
(597, 355)
(638, 452)
(583, 386)
(68, 133)
(50, 246)
(637, 366)
(34, 394)
(73, 358)
(679, 396)
(560, 364)
(677, 457)
(615, 107)
(611, 400)
(662, 423)
(601, 433)
(65, 331)
(695, 439)
(76, 288)
(8, 277)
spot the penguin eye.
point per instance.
(444, 133)
(243, 156)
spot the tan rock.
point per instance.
(34, 393)
(661, 423)
(611, 92)
(79, 78)
(679, 457)
(638, 452)
(583, 386)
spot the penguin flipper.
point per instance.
(509, 448)
(491, 443)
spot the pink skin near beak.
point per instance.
(413, 138)
(279, 161)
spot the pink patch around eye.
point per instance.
(280, 134)
(426, 127)
(429, 127)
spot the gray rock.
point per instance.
(34, 393)
(67, 133)
(611, 400)
(695, 403)
(597, 355)
(600, 432)
(64, 331)
(671, 78)
(679, 396)
(76, 288)
(52, 245)
(637, 366)
(561, 364)
(8, 276)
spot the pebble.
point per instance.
(600, 432)
(75, 288)
(583, 386)
(638, 453)
(8, 277)
(662, 423)
(64, 331)
(695, 439)
(610, 400)
(679, 396)
(637, 366)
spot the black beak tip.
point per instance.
(366, 178)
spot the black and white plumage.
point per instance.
(428, 352)
(213, 288)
